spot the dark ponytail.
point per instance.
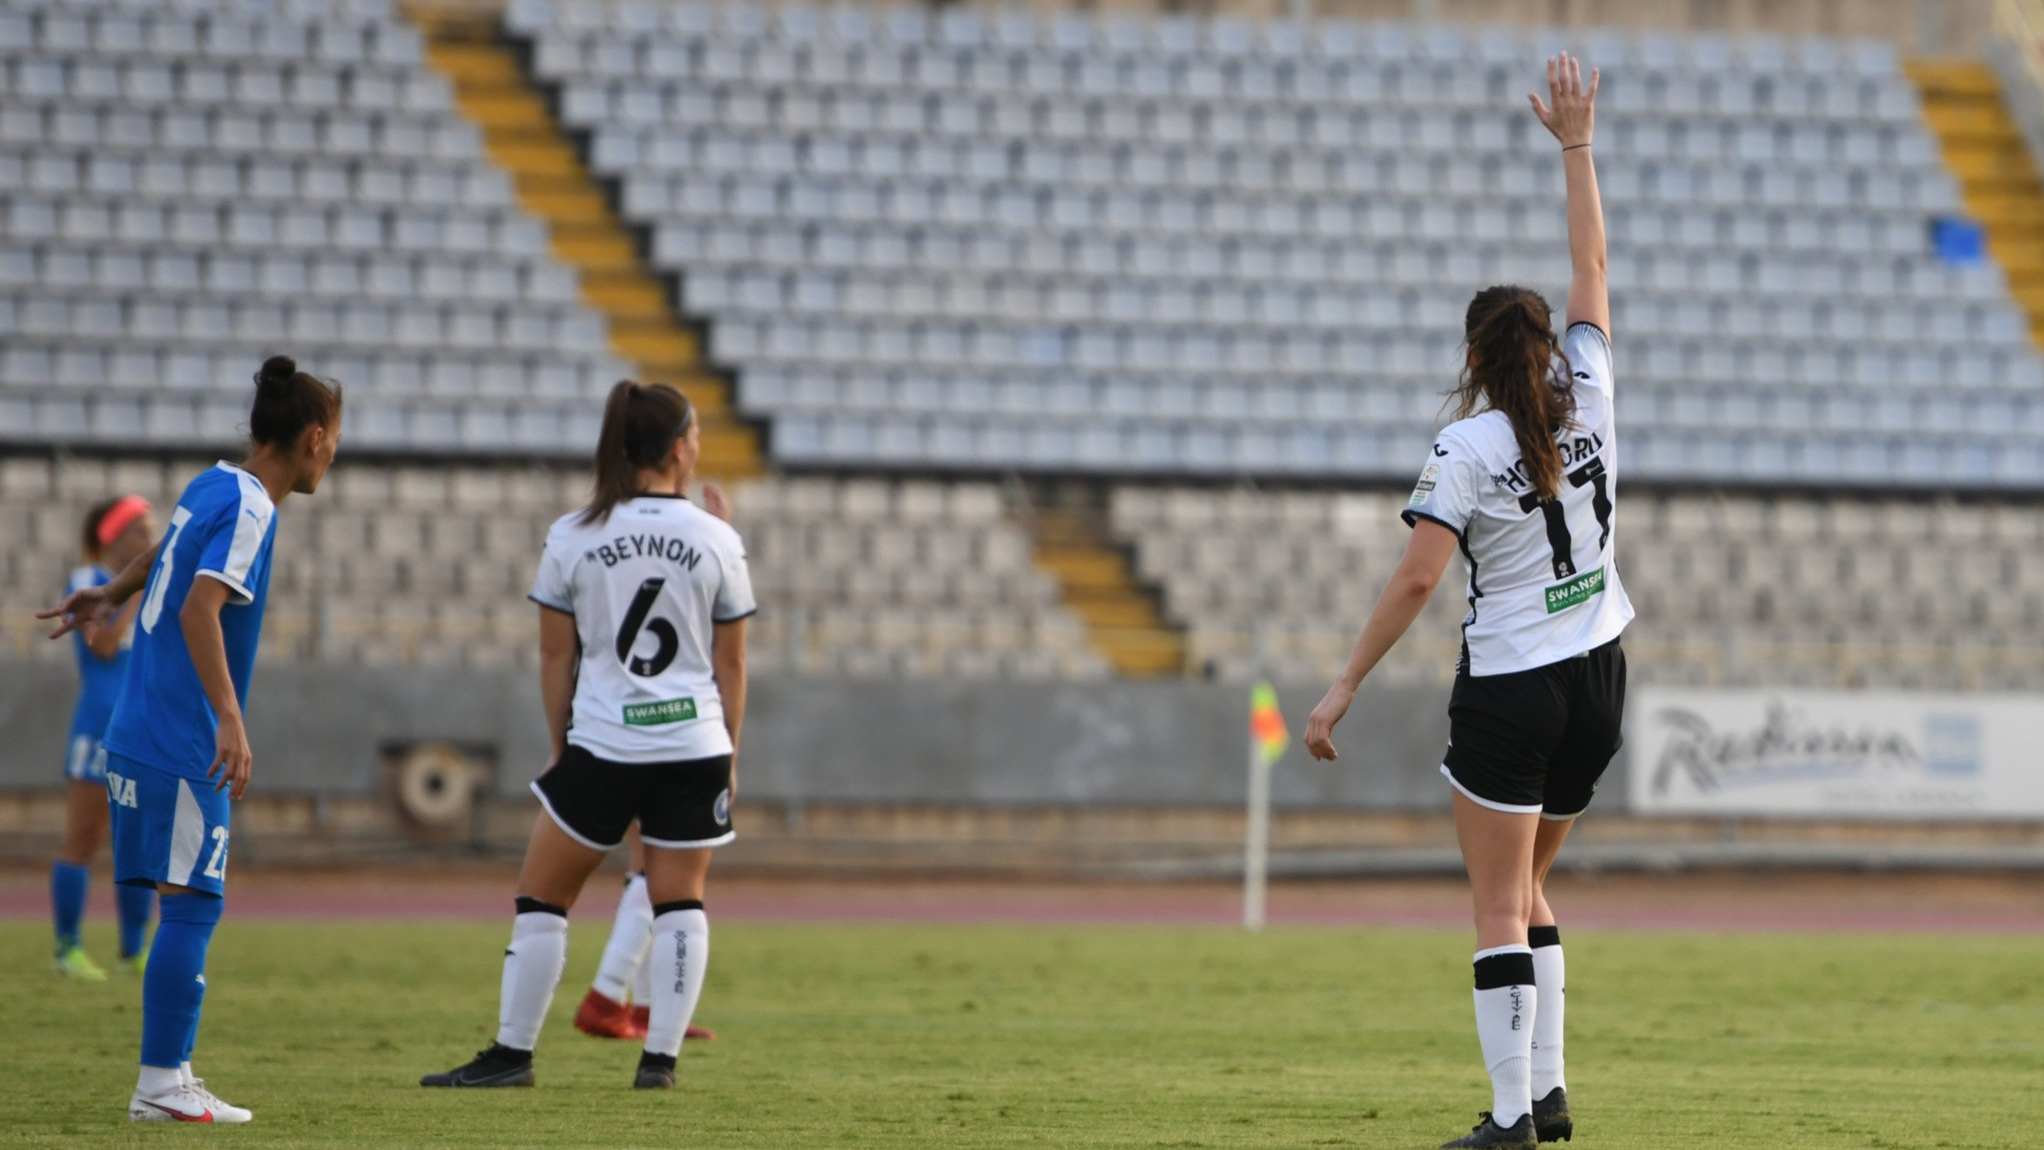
(1516, 366)
(89, 536)
(640, 424)
(287, 401)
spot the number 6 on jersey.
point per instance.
(635, 621)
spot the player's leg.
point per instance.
(686, 814)
(1588, 744)
(1551, 1117)
(1500, 730)
(586, 806)
(85, 802)
(680, 956)
(603, 1012)
(1497, 850)
(172, 835)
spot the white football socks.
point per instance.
(1551, 976)
(642, 973)
(681, 956)
(532, 968)
(624, 955)
(1506, 1005)
(156, 1081)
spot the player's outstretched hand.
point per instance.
(1572, 118)
(716, 502)
(231, 758)
(1320, 725)
(87, 608)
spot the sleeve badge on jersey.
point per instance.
(1425, 486)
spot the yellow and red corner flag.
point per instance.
(1266, 724)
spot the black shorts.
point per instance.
(1537, 741)
(681, 806)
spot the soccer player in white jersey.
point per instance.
(643, 598)
(1524, 482)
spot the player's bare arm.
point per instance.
(93, 606)
(1411, 585)
(200, 620)
(1571, 117)
(559, 651)
(727, 660)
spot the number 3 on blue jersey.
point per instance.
(159, 579)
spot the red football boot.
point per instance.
(642, 1016)
(600, 1016)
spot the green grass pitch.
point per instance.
(875, 1036)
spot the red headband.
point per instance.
(123, 513)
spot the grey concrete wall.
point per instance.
(1180, 744)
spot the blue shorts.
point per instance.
(167, 828)
(82, 761)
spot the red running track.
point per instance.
(1932, 904)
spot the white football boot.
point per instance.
(187, 1102)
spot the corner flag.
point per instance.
(1266, 724)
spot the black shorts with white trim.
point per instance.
(681, 805)
(1537, 741)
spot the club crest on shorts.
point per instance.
(723, 808)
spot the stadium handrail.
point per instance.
(2017, 53)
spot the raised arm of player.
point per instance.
(1572, 119)
(560, 649)
(94, 605)
(1411, 585)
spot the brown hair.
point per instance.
(89, 537)
(287, 401)
(641, 421)
(1516, 366)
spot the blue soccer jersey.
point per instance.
(99, 686)
(223, 528)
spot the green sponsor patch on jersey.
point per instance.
(654, 714)
(1580, 589)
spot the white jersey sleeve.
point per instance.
(734, 599)
(551, 586)
(1449, 485)
(1589, 355)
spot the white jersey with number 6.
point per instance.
(646, 586)
(1543, 582)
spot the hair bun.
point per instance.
(277, 369)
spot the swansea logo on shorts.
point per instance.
(723, 810)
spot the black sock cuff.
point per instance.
(1498, 970)
(1539, 936)
(663, 1061)
(538, 906)
(660, 908)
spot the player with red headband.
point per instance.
(116, 531)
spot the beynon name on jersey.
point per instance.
(1573, 451)
(624, 547)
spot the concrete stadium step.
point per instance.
(1097, 583)
(1965, 105)
(466, 44)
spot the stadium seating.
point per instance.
(430, 565)
(183, 186)
(1213, 247)
(1775, 590)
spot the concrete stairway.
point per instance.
(1963, 101)
(522, 137)
(1098, 583)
